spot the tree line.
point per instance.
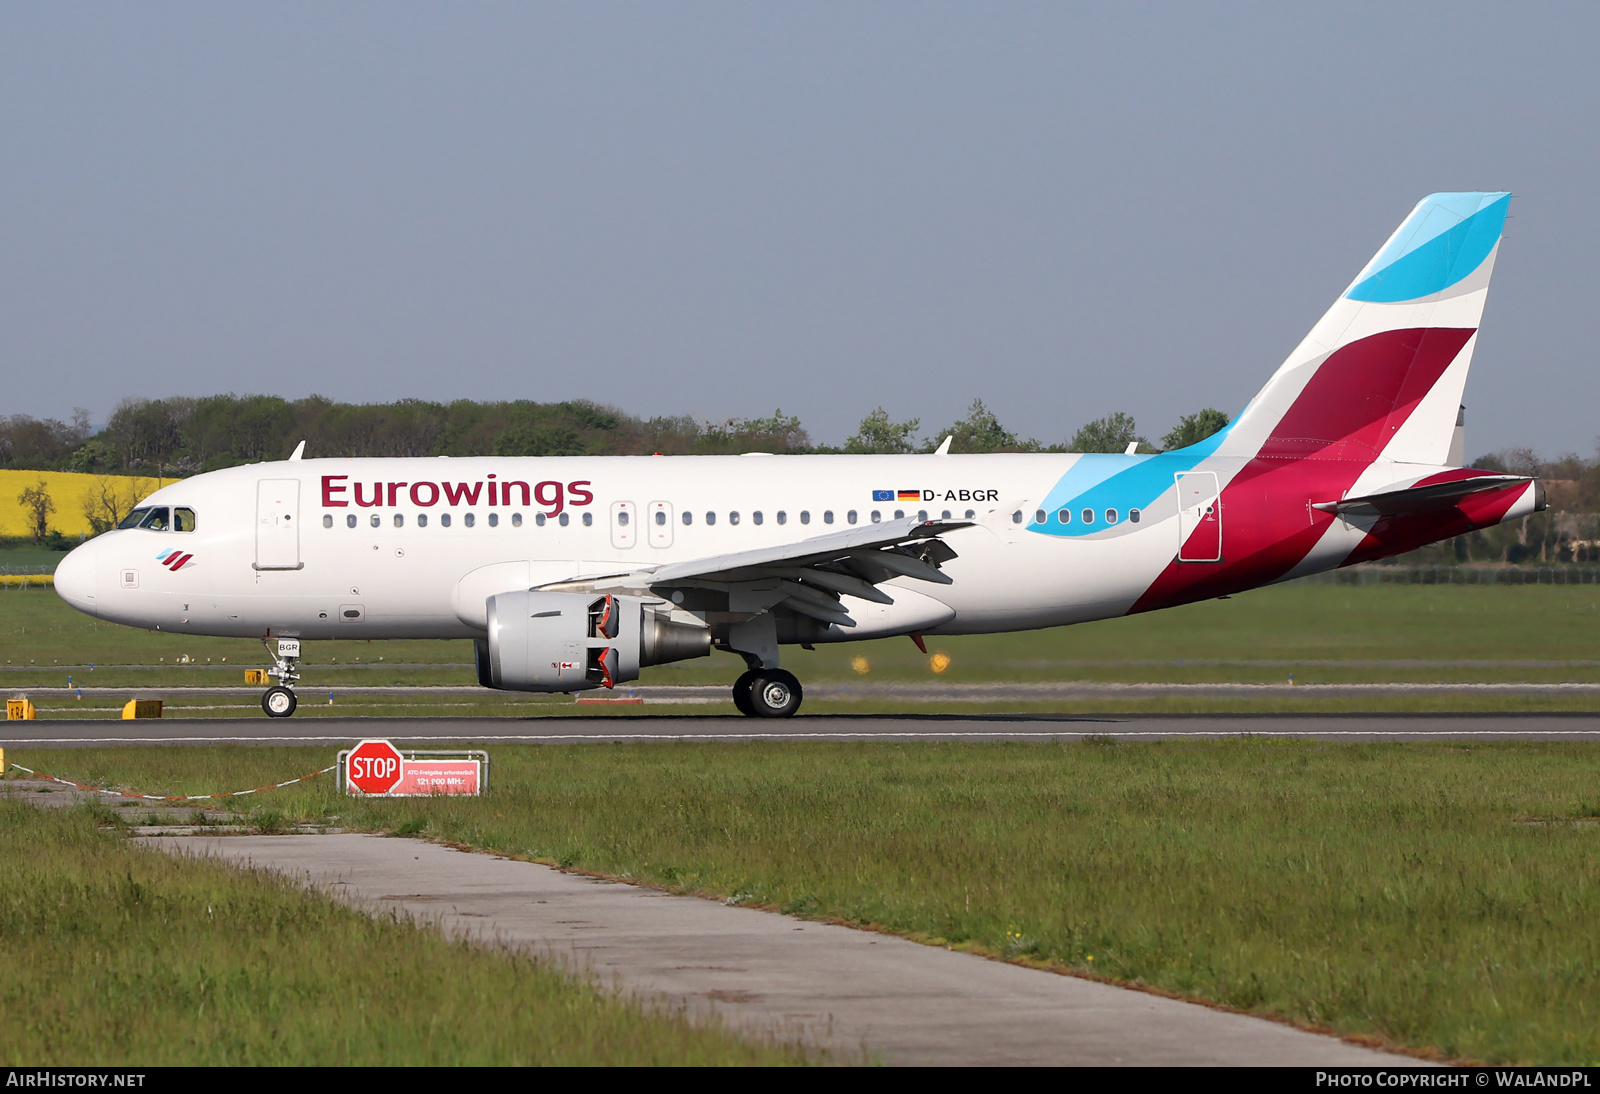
(185, 436)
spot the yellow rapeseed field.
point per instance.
(69, 490)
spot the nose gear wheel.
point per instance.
(279, 702)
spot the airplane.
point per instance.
(574, 573)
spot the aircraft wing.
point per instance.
(1419, 499)
(809, 575)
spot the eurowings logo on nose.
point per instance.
(174, 559)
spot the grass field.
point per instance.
(111, 955)
(1437, 896)
(1319, 634)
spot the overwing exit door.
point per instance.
(624, 525)
(278, 524)
(1199, 517)
(661, 524)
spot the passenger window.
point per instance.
(1088, 516)
(564, 519)
(374, 521)
(945, 515)
(711, 518)
(183, 520)
(588, 519)
(688, 518)
(622, 519)
(850, 517)
(444, 520)
(805, 516)
(422, 520)
(132, 519)
(899, 514)
(516, 520)
(1133, 516)
(158, 520)
(539, 519)
(733, 517)
(756, 516)
(469, 519)
(661, 517)
(1016, 518)
(922, 514)
(327, 520)
(827, 516)
(350, 520)
(783, 518)
(1111, 516)
(1038, 516)
(971, 514)
(876, 516)
(1065, 516)
(494, 520)
(399, 520)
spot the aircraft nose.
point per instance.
(75, 579)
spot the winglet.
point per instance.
(299, 452)
(944, 446)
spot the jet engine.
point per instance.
(542, 641)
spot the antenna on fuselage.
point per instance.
(299, 452)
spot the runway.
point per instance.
(572, 729)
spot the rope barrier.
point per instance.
(169, 797)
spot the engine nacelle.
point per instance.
(574, 641)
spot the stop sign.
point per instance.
(373, 767)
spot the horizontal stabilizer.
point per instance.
(1421, 499)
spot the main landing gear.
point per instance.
(279, 700)
(767, 693)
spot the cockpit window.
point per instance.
(132, 519)
(183, 520)
(158, 520)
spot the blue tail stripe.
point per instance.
(1420, 264)
(1101, 481)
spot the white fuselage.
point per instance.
(367, 566)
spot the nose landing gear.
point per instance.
(279, 700)
(767, 693)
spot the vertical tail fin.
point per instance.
(1382, 373)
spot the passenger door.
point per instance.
(1199, 517)
(278, 524)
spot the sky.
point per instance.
(724, 209)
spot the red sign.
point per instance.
(374, 767)
(427, 777)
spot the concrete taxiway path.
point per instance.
(569, 729)
(845, 990)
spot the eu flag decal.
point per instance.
(883, 495)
